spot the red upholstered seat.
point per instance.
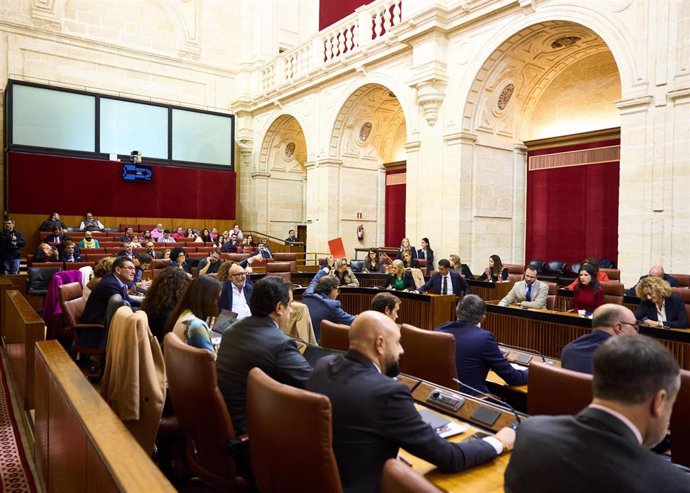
(554, 390)
(428, 355)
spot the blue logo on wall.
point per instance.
(136, 172)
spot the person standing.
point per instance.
(11, 243)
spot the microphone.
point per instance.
(526, 350)
(501, 404)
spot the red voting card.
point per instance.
(337, 248)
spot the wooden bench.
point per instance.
(81, 445)
(22, 327)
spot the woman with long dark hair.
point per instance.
(162, 296)
(495, 272)
(588, 294)
(426, 253)
(373, 262)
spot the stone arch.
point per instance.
(278, 135)
(598, 34)
(374, 116)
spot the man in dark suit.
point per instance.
(446, 281)
(374, 415)
(605, 447)
(320, 298)
(654, 271)
(476, 351)
(258, 341)
(236, 294)
(94, 312)
(607, 321)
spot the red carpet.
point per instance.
(15, 475)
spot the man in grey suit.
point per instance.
(530, 293)
(259, 341)
(606, 446)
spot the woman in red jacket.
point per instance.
(588, 294)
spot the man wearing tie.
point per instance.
(97, 304)
(446, 281)
(530, 293)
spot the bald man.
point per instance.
(235, 295)
(654, 271)
(607, 321)
(374, 415)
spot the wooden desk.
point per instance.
(485, 478)
(489, 291)
(549, 331)
(425, 311)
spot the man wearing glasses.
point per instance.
(235, 297)
(607, 321)
(94, 312)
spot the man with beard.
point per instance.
(374, 415)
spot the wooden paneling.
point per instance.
(81, 444)
(22, 328)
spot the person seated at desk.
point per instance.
(292, 237)
(607, 321)
(409, 261)
(386, 303)
(58, 236)
(197, 305)
(600, 275)
(463, 269)
(399, 278)
(606, 446)
(654, 271)
(530, 293)
(47, 253)
(210, 264)
(259, 341)
(373, 262)
(52, 222)
(320, 298)
(446, 281)
(237, 289)
(344, 275)
(659, 307)
(495, 272)
(178, 258)
(588, 294)
(69, 252)
(476, 350)
(374, 415)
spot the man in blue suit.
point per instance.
(654, 271)
(320, 298)
(476, 351)
(607, 321)
(446, 281)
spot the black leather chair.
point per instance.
(606, 263)
(538, 264)
(39, 279)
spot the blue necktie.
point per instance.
(528, 293)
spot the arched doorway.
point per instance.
(543, 110)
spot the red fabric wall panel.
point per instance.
(331, 11)
(395, 212)
(572, 212)
(39, 184)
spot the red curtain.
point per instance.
(395, 207)
(572, 212)
(39, 184)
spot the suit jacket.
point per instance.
(539, 293)
(407, 280)
(323, 308)
(373, 416)
(476, 352)
(256, 342)
(676, 315)
(577, 355)
(429, 256)
(225, 301)
(593, 451)
(669, 279)
(460, 287)
(96, 306)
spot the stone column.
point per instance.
(519, 202)
(323, 203)
(259, 199)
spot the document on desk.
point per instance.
(518, 367)
(441, 425)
